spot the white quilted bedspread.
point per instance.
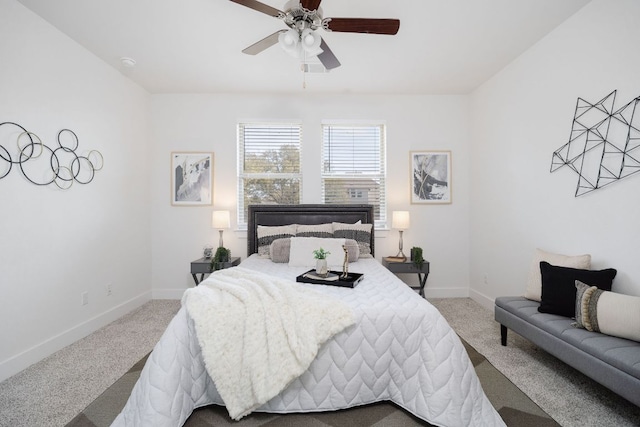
(401, 350)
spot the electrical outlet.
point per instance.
(486, 279)
(108, 289)
(85, 298)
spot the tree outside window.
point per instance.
(269, 166)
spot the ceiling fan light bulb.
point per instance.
(309, 40)
(290, 42)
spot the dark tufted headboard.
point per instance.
(304, 214)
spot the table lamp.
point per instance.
(221, 220)
(400, 220)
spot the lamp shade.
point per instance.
(400, 220)
(221, 219)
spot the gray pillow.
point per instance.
(280, 249)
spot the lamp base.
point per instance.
(400, 253)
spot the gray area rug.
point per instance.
(513, 405)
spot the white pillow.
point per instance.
(280, 249)
(534, 283)
(607, 312)
(619, 315)
(301, 253)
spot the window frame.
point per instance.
(241, 153)
(380, 174)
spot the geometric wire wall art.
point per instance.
(604, 145)
(43, 165)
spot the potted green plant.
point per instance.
(416, 257)
(321, 262)
(221, 256)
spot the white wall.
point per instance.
(208, 123)
(54, 244)
(519, 118)
(122, 230)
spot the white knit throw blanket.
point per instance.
(258, 333)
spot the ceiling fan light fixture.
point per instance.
(304, 17)
(289, 41)
(311, 42)
(289, 38)
(308, 40)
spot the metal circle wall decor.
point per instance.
(49, 170)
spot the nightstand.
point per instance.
(409, 267)
(202, 266)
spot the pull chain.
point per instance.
(304, 77)
(302, 66)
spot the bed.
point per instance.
(400, 348)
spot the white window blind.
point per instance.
(353, 166)
(268, 165)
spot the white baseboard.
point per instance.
(23, 360)
(446, 292)
(482, 299)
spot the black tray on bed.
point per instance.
(351, 281)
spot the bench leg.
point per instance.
(503, 335)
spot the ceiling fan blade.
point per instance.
(362, 25)
(327, 57)
(263, 44)
(260, 7)
(311, 4)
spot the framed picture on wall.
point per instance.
(191, 178)
(431, 177)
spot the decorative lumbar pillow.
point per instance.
(281, 248)
(609, 312)
(534, 283)
(267, 234)
(301, 253)
(583, 296)
(361, 233)
(316, 230)
(559, 289)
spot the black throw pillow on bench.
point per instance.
(559, 286)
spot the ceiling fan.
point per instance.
(304, 17)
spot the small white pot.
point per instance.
(321, 268)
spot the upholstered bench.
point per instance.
(611, 361)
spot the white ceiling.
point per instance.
(194, 46)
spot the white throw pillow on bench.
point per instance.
(607, 312)
(534, 283)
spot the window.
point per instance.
(268, 165)
(353, 166)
